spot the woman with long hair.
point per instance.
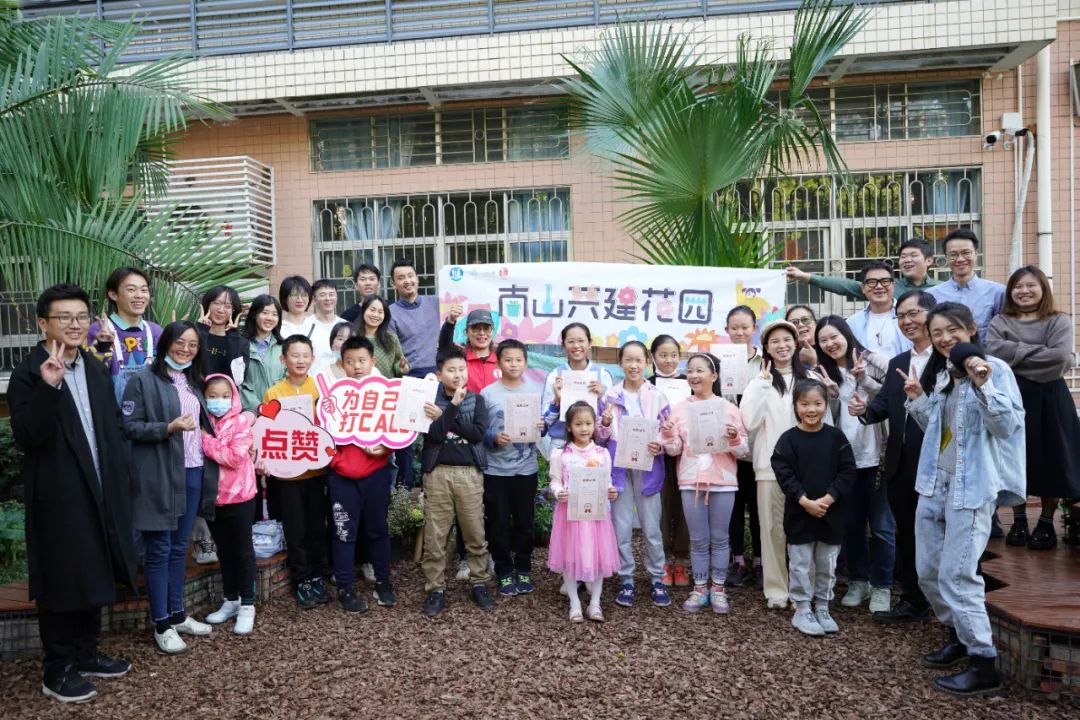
(262, 328)
(374, 324)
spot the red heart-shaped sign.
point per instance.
(330, 451)
(270, 409)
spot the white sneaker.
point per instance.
(462, 570)
(227, 611)
(245, 620)
(805, 622)
(777, 604)
(858, 592)
(169, 642)
(191, 626)
(205, 551)
(368, 571)
(825, 619)
(880, 599)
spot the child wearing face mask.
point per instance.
(230, 446)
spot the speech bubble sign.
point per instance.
(361, 412)
(289, 444)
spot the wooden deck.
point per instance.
(1040, 589)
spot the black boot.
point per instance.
(979, 678)
(1043, 537)
(950, 654)
(1018, 533)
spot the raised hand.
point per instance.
(667, 428)
(105, 334)
(912, 386)
(766, 370)
(234, 323)
(456, 311)
(856, 405)
(858, 369)
(204, 316)
(52, 370)
(794, 273)
(459, 395)
(558, 389)
(607, 417)
(978, 370)
(832, 387)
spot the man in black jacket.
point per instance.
(902, 452)
(65, 418)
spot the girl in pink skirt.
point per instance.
(582, 550)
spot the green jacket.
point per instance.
(262, 372)
(853, 288)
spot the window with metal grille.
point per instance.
(436, 229)
(446, 137)
(824, 227)
(905, 111)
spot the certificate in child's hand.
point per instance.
(632, 450)
(575, 387)
(587, 493)
(734, 370)
(413, 393)
(675, 389)
(705, 427)
(521, 413)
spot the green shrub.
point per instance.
(405, 515)
(545, 506)
(12, 542)
(11, 461)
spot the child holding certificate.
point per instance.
(706, 433)
(581, 550)
(629, 425)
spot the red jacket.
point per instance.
(483, 371)
(352, 462)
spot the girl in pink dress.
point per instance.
(582, 550)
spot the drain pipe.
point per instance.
(1043, 180)
(1015, 246)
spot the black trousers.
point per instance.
(903, 500)
(508, 521)
(360, 506)
(304, 508)
(231, 530)
(745, 501)
(67, 639)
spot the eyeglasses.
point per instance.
(223, 304)
(966, 254)
(875, 282)
(297, 295)
(910, 315)
(801, 321)
(67, 319)
(192, 345)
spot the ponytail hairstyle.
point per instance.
(714, 365)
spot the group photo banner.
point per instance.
(618, 302)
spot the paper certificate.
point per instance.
(575, 387)
(675, 389)
(300, 403)
(521, 413)
(705, 427)
(632, 450)
(587, 493)
(414, 392)
(734, 370)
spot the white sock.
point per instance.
(571, 592)
(594, 592)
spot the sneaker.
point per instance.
(719, 600)
(524, 584)
(858, 592)
(245, 620)
(625, 598)
(103, 666)
(698, 599)
(462, 571)
(205, 551)
(384, 594)
(738, 576)
(350, 603)
(169, 642)
(482, 598)
(1018, 533)
(1043, 536)
(903, 612)
(880, 599)
(305, 596)
(507, 586)
(227, 611)
(71, 687)
(805, 622)
(660, 597)
(368, 571)
(682, 578)
(777, 604)
(825, 620)
(435, 603)
(668, 578)
(191, 626)
(319, 591)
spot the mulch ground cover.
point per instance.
(525, 660)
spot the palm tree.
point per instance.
(681, 135)
(85, 143)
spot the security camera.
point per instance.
(993, 137)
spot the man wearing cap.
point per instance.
(479, 355)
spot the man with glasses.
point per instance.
(875, 325)
(324, 295)
(902, 451)
(65, 418)
(916, 259)
(983, 297)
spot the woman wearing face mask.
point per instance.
(972, 460)
(163, 411)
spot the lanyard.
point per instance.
(118, 350)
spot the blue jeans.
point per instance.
(648, 514)
(166, 554)
(950, 543)
(873, 560)
(403, 458)
(708, 526)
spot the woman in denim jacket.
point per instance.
(972, 460)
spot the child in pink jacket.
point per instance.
(707, 482)
(230, 446)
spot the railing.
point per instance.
(229, 27)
